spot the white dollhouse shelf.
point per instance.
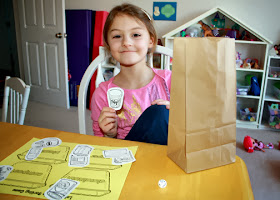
(206, 16)
(256, 48)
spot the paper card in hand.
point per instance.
(202, 120)
(115, 98)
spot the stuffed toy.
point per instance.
(252, 144)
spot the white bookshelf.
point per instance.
(256, 49)
(269, 94)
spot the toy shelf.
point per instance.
(249, 43)
(270, 93)
(243, 124)
(250, 70)
(248, 96)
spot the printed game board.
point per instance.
(99, 179)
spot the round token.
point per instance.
(162, 183)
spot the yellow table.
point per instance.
(152, 164)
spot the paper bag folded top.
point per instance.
(202, 119)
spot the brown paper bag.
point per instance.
(202, 118)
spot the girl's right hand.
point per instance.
(108, 122)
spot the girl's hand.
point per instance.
(108, 122)
(162, 102)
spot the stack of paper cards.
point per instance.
(119, 156)
(38, 146)
(80, 156)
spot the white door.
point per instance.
(42, 26)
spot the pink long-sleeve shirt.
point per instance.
(135, 101)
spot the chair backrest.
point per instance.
(16, 94)
(102, 63)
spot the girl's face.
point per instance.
(129, 40)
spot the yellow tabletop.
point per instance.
(152, 164)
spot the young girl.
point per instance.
(129, 35)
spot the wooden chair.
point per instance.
(101, 63)
(15, 100)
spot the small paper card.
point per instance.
(119, 156)
(129, 158)
(47, 142)
(38, 146)
(5, 171)
(115, 153)
(33, 153)
(115, 98)
(61, 189)
(80, 156)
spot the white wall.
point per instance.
(262, 16)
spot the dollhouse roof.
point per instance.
(211, 12)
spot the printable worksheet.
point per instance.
(55, 169)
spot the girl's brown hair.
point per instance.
(135, 12)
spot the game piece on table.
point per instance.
(33, 153)
(80, 156)
(47, 142)
(124, 159)
(119, 156)
(61, 189)
(162, 183)
(115, 153)
(5, 171)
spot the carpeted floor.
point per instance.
(263, 167)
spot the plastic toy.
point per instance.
(255, 66)
(183, 33)
(246, 65)
(231, 34)
(216, 32)
(206, 29)
(236, 27)
(239, 62)
(277, 49)
(245, 35)
(247, 114)
(255, 88)
(253, 62)
(250, 144)
(238, 56)
(192, 32)
(218, 22)
(273, 52)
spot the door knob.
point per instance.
(60, 35)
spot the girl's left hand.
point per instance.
(162, 102)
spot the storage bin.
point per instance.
(242, 90)
(246, 115)
(274, 118)
(276, 92)
(274, 72)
